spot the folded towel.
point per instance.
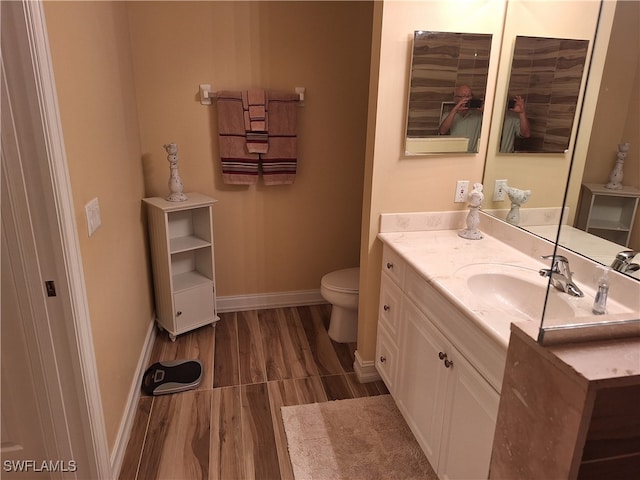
(255, 121)
(239, 166)
(279, 164)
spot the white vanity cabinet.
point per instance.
(181, 239)
(444, 379)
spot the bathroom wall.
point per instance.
(127, 75)
(395, 183)
(617, 116)
(94, 77)
(268, 239)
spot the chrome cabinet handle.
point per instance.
(382, 359)
(390, 265)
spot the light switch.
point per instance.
(92, 210)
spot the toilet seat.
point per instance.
(342, 281)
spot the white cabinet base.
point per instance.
(181, 238)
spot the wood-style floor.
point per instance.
(230, 427)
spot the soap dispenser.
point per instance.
(602, 290)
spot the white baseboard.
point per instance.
(365, 369)
(126, 425)
(238, 303)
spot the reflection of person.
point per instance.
(461, 120)
(515, 125)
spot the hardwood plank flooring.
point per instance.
(230, 427)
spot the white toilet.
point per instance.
(340, 289)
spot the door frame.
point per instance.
(66, 349)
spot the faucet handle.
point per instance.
(623, 260)
(557, 259)
(626, 255)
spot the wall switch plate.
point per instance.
(500, 191)
(462, 191)
(92, 211)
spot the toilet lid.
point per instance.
(346, 280)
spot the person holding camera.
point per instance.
(516, 125)
(463, 120)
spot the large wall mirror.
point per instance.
(610, 116)
(442, 65)
(546, 74)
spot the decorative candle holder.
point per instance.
(517, 197)
(473, 218)
(615, 178)
(175, 182)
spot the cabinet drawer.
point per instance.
(393, 265)
(194, 308)
(386, 358)
(390, 301)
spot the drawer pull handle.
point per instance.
(382, 359)
(386, 308)
(390, 265)
(443, 356)
(178, 313)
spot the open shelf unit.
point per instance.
(608, 213)
(181, 237)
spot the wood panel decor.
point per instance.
(547, 73)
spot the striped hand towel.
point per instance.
(239, 166)
(279, 164)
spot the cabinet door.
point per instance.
(194, 308)
(386, 358)
(422, 386)
(470, 416)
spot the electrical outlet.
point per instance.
(499, 191)
(462, 191)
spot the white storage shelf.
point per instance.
(181, 235)
(608, 213)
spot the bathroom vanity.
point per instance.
(443, 371)
(446, 310)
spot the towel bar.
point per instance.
(207, 95)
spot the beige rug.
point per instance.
(362, 438)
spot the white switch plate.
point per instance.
(92, 211)
(462, 191)
(499, 191)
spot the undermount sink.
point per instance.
(516, 290)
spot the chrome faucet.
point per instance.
(622, 262)
(560, 275)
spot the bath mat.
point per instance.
(363, 438)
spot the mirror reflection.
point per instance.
(546, 74)
(448, 80)
(614, 224)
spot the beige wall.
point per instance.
(396, 183)
(617, 112)
(127, 75)
(94, 78)
(268, 239)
